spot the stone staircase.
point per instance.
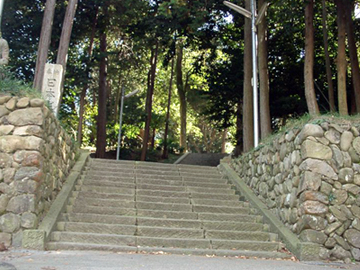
(150, 207)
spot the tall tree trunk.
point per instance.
(239, 130)
(309, 60)
(165, 151)
(85, 87)
(265, 122)
(101, 118)
(248, 123)
(355, 70)
(65, 40)
(327, 59)
(149, 97)
(182, 94)
(223, 141)
(341, 59)
(44, 43)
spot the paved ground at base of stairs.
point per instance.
(99, 260)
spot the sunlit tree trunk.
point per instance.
(85, 87)
(327, 59)
(354, 61)
(44, 43)
(309, 60)
(182, 94)
(248, 124)
(223, 141)
(265, 122)
(101, 117)
(149, 97)
(239, 130)
(165, 151)
(341, 59)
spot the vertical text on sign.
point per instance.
(51, 89)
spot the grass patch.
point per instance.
(300, 122)
(14, 87)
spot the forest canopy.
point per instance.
(190, 62)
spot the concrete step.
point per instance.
(205, 174)
(162, 193)
(109, 174)
(83, 202)
(99, 228)
(94, 238)
(198, 195)
(229, 217)
(101, 210)
(100, 189)
(161, 187)
(160, 232)
(109, 177)
(98, 218)
(167, 214)
(240, 235)
(152, 171)
(116, 170)
(98, 195)
(183, 251)
(158, 177)
(157, 199)
(164, 206)
(173, 242)
(169, 223)
(205, 180)
(221, 209)
(105, 183)
(210, 202)
(156, 166)
(245, 245)
(234, 226)
(161, 182)
(212, 190)
(207, 185)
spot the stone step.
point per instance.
(157, 172)
(234, 226)
(161, 182)
(98, 218)
(230, 217)
(221, 209)
(158, 177)
(190, 168)
(241, 235)
(182, 251)
(118, 169)
(98, 195)
(96, 228)
(208, 175)
(245, 245)
(167, 214)
(122, 184)
(100, 178)
(93, 238)
(212, 190)
(100, 189)
(101, 210)
(112, 163)
(157, 199)
(106, 173)
(205, 180)
(154, 166)
(161, 193)
(80, 202)
(210, 202)
(164, 206)
(197, 195)
(173, 242)
(207, 185)
(160, 232)
(169, 223)
(161, 187)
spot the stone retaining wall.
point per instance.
(310, 178)
(36, 155)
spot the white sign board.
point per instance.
(51, 87)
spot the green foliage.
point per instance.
(15, 87)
